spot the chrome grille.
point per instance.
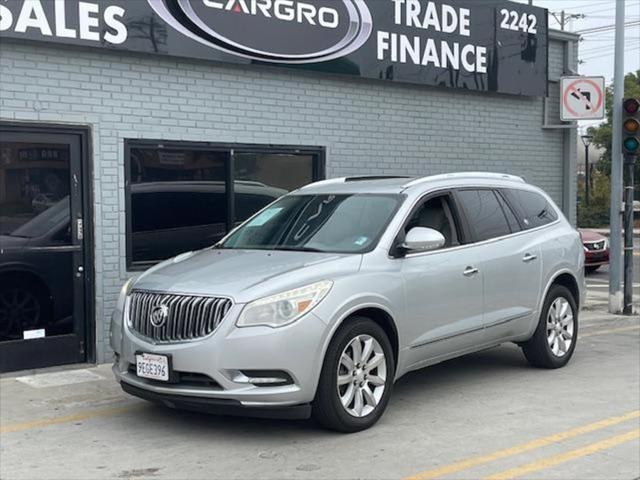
(599, 245)
(187, 316)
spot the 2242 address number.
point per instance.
(512, 20)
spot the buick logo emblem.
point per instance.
(159, 315)
(279, 31)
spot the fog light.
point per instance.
(263, 378)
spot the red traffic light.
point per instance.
(631, 106)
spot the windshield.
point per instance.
(322, 223)
(41, 224)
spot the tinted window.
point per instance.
(533, 208)
(262, 177)
(511, 217)
(163, 210)
(436, 214)
(178, 194)
(484, 213)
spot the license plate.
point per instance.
(154, 367)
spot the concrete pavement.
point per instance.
(485, 415)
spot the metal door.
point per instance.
(42, 232)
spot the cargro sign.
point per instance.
(483, 45)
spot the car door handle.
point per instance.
(470, 271)
(528, 257)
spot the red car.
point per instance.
(596, 250)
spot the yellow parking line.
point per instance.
(565, 457)
(611, 330)
(524, 447)
(45, 422)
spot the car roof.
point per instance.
(399, 184)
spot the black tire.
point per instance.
(591, 269)
(32, 300)
(327, 407)
(537, 349)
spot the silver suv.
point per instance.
(322, 300)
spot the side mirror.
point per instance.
(421, 239)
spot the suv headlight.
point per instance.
(283, 308)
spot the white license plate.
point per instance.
(155, 367)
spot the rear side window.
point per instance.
(511, 217)
(484, 213)
(533, 208)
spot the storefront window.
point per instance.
(180, 197)
(263, 177)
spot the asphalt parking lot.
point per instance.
(488, 415)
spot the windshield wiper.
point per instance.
(299, 249)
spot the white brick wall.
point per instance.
(366, 126)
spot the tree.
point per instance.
(602, 133)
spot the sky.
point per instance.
(596, 49)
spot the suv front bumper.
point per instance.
(296, 350)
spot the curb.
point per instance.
(606, 232)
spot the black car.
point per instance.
(36, 257)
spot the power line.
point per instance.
(606, 54)
(605, 28)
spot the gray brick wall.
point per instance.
(366, 126)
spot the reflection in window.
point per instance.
(263, 177)
(33, 178)
(36, 291)
(484, 213)
(178, 194)
(178, 201)
(535, 209)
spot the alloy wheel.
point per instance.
(362, 375)
(19, 310)
(560, 327)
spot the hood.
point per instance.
(590, 236)
(244, 275)
(8, 241)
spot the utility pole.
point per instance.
(630, 147)
(565, 18)
(629, 164)
(586, 140)
(616, 298)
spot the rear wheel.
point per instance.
(554, 340)
(356, 379)
(22, 307)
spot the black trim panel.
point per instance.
(218, 406)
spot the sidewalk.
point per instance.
(606, 232)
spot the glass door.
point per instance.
(42, 272)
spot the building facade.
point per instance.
(142, 152)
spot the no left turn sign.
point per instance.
(582, 98)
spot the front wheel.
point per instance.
(554, 340)
(356, 379)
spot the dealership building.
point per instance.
(133, 131)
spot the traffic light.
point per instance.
(631, 126)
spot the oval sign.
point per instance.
(282, 31)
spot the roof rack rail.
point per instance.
(364, 178)
(327, 181)
(477, 175)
